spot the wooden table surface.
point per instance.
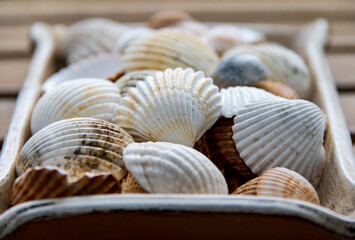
(16, 17)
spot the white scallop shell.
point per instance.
(101, 66)
(129, 36)
(282, 133)
(284, 64)
(172, 168)
(169, 49)
(174, 106)
(90, 37)
(235, 98)
(130, 80)
(86, 97)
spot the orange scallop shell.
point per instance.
(130, 185)
(278, 88)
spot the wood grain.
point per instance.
(14, 41)
(342, 66)
(13, 71)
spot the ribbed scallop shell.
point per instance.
(284, 64)
(169, 49)
(86, 97)
(174, 106)
(130, 80)
(130, 185)
(77, 146)
(280, 182)
(278, 88)
(100, 66)
(189, 26)
(282, 133)
(129, 36)
(90, 37)
(172, 168)
(45, 182)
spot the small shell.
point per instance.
(87, 97)
(45, 182)
(282, 133)
(284, 64)
(191, 27)
(167, 18)
(278, 88)
(130, 80)
(225, 36)
(90, 37)
(240, 69)
(280, 182)
(176, 106)
(129, 36)
(100, 66)
(172, 168)
(169, 49)
(130, 185)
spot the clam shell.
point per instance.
(90, 37)
(282, 133)
(278, 88)
(172, 168)
(175, 106)
(280, 182)
(284, 64)
(130, 185)
(100, 66)
(169, 49)
(87, 97)
(43, 182)
(129, 36)
(167, 18)
(130, 80)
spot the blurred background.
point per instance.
(16, 17)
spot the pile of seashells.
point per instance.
(174, 107)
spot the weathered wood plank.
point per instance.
(13, 71)
(14, 41)
(342, 67)
(6, 108)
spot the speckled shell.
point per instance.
(278, 88)
(130, 185)
(282, 133)
(172, 168)
(100, 66)
(87, 97)
(284, 64)
(84, 143)
(174, 106)
(45, 182)
(130, 80)
(129, 36)
(280, 182)
(225, 36)
(90, 37)
(169, 49)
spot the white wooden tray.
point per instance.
(193, 216)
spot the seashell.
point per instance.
(169, 49)
(282, 133)
(240, 69)
(280, 182)
(167, 18)
(130, 185)
(174, 106)
(45, 182)
(100, 66)
(90, 37)
(284, 64)
(278, 88)
(225, 36)
(77, 146)
(129, 36)
(191, 27)
(87, 97)
(130, 80)
(172, 168)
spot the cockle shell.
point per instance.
(46, 182)
(90, 37)
(173, 168)
(76, 146)
(284, 64)
(277, 88)
(191, 27)
(281, 133)
(130, 185)
(129, 36)
(167, 18)
(280, 182)
(169, 49)
(87, 97)
(174, 106)
(100, 66)
(130, 80)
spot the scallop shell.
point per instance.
(225, 36)
(278, 88)
(284, 64)
(43, 182)
(129, 36)
(130, 80)
(90, 37)
(130, 185)
(167, 18)
(100, 66)
(169, 49)
(282, 133)
(88, 97)
(172, 168)
(280, 182)
(176, 106)
(240, 69)
(191, 27)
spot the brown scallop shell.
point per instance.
(130, 185)
(166, 18)
(278, 88)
